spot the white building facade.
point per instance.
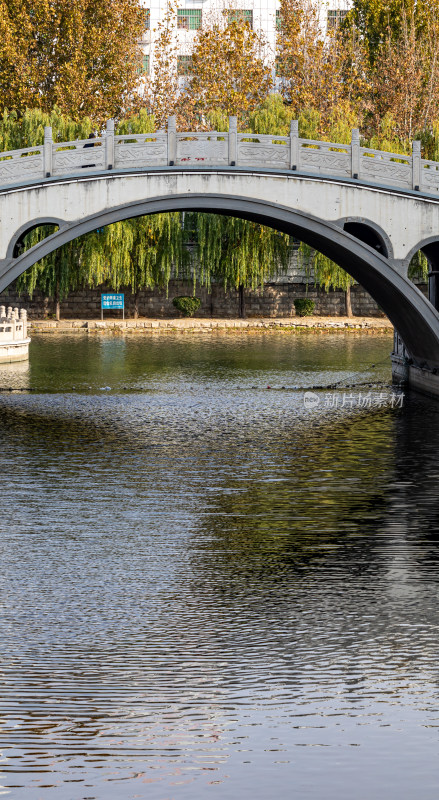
(262, 15)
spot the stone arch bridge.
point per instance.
(368, 210)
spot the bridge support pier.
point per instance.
(433, 288)
(420, 378)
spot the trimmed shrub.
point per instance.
(186, 305)
(304, 306)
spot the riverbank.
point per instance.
(142, 325)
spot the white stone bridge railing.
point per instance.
(216, 149)
(13, 325)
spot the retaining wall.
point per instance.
(274, 300)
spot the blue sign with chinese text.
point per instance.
(112, 301)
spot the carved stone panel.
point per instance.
(13, 169)
(263, 155)
(66, 161)
(324, 161)
(385, 171)
(430, 179)
(141, 155)
(211, 151)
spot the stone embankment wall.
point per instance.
(274, 300)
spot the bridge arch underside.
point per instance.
(415, 319)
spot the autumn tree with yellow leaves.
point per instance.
(79, 55)
(228, 70)
(160, 90)
(405, 88)
(322, 73)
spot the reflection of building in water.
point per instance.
(14, 341)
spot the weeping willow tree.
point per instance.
(142, 122)
(139, 253)
(238, 253)
(326, 273)
(419, 268)
(54, 275)
(27, 130)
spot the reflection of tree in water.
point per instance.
(415, 492)
(306, 567)
(326, 500)
(58, 363)
(51, 426)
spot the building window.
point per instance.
(335, 17)
(189, 18)
(144, 69)
(147, 19)
(184, 65)
(241, 15)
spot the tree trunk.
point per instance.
(241, 302)
(348, 302)
(136, 305)
(57, 305)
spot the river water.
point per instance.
(208, 588)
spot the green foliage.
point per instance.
(272, 116)
(27, 130)
(309, 124)
(384, 138)
(139, 253)
(304, 306)
(419, 268)
(143, 122)
(146, 252)
(325, 272)
(218, 120)
(340, 122)
(237, 253)
(338, 126)
(188, 306)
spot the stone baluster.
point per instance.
(2, 312)
(23, 318)
(294, 144)
(355, 153)
(172, 141)
(9, 314)
(109, 144)
(416, 165)
(233, 141)
(16, 313)
(48, 151)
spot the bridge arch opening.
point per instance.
(17, 244)
(423, 268)
(369, 235)
(411, 314)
